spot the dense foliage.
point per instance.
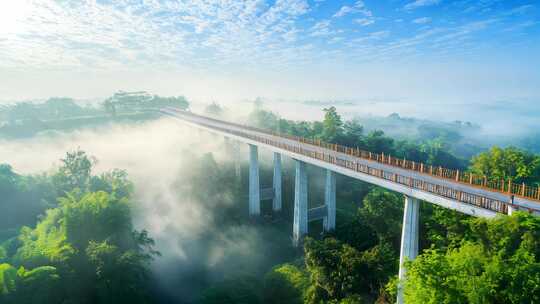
(84, 249)
(67, 236)
(509, 163)
(497, 261)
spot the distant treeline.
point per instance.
(24, 119)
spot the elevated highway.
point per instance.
(478, 196)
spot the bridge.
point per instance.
(464, 192)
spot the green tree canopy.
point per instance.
(332, 125)
(507, 163)
(498, 263)
(84, 250)
(285, 284)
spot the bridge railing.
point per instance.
(506, 187)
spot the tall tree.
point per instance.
(332, 125)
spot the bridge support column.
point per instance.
(300, 224)
(254, 188)
(276, 202)
(329, 222)
(236, 151)
(409, 239)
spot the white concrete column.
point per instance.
(276, 202)
(300, 223)
(409, 239)
(329, 222)
(254, 187)
(236, 156)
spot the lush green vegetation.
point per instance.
(496, 261)
(83, 248)
(510, 163)
(67, 236)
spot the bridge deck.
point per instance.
(447, 188)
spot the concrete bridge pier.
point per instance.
(234, 148)
(300, 223)
(409, 239)
(254, 188)
(237, 171)
(276, 201)
(329, 222)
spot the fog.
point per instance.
(161, 158)
(503, 117)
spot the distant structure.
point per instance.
(452, 189)
(138, 101)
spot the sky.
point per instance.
(439, 53)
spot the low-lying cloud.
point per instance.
(161, 159)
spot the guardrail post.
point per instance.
(329, 222)
(254, 187)
(300, 222)
(276, 202)
(409, 239)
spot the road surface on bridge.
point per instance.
(447, 188)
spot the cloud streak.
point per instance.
(420, 3)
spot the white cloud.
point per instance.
(321, 28)
(422, 20)
(364, 21)
(420, 3)
(97, 35)
(372, 36)
(344, 10)
(522, 26)
(520, 10)
(336, 40)
(358, 7)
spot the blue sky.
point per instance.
(418, 51)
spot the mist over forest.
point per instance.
(269, 152)
(200, 245)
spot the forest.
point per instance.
(67, 235)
